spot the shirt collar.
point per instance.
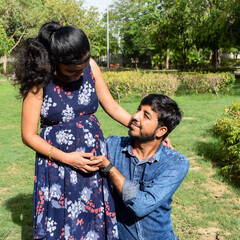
(155, 158)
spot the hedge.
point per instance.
(122, 84)
(228, 129)
(208, 82)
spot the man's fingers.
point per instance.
(97, 157)
(95, 162)
(91, 168)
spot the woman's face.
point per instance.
(70, 73)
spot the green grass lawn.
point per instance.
(205, 206)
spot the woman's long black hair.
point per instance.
(36, 58)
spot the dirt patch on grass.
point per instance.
(210, 233)
(188, 118)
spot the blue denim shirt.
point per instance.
(144, 210)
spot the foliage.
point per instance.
(185, 28)
(19, 18)
(9, 69)
(228, 129)
(208, 82)
(73, 13)
(5, 43)
(122, 84)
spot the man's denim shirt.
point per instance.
(144, 211)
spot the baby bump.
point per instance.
(83, 134)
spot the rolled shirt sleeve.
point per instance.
(144, 197)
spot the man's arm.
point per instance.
(116, 177)
(143, 198)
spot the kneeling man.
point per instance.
(145, 173)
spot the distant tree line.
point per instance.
(181, 32)
(148, 33)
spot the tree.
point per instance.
(18, 19)
(72, 12)
(210, 31)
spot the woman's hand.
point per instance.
(81, 161)
(167, 143)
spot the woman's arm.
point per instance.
(107, 102)
(31, 108)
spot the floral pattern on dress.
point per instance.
(47, 103)
(68, 114)
(69, 204)
(65, 137)
(84, 96)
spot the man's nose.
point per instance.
(136, 116)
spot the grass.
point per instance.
(204, 207)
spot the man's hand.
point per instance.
(103, 161)
(82, 161)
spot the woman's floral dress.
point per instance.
(69, 204)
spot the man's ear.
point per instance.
(161, 131)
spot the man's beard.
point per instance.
(143, 138)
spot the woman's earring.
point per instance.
(55, 70)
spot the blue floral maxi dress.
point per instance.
(69, 204)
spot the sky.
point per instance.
(100, 4)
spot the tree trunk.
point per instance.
(167, 59)
(150, 56)
(5, 64)
(185, 59)
(215, 59)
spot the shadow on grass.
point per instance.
(211, 151)
(20, 207)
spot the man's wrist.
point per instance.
(107, 168)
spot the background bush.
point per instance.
(208, 82)
(122, 84)
(228, 129)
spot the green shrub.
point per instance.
(122, 84)
(166, 84)
(228, 128)
(208, 82)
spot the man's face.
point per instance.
(144, 124)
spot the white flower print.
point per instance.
(84, 96)
(103, 148)
(88, 123)
(45, 191)
(86, 194)
(75, 208)
(106, 194)
(61, 172)
(67, 232)
(115, 230)
(68, 114)
(51, 226)
(94, 181)
(73, 177)
(89, 140)
(47, 131)
(81, 149)
(40, 161)
(47, 103)
(55, 191)
(91, 235)
(64, 137)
